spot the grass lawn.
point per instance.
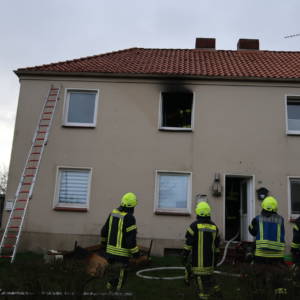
(30, 274)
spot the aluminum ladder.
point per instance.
(11, 235)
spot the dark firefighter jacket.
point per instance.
(268, 230)
(119, 234)
(202, 238)
(295, 246)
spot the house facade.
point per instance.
(172, 125)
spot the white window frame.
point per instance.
(57, 204)
(185, 211)
(160, 117)
(66, 107)
(296, 98)
(291, 215)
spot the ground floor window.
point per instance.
(173, 192)
(72, 188)
(294, 195)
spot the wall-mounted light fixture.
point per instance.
(216, 186)
(262, 193)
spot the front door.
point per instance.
(239, 206)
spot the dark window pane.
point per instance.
(177, 110)
(295, 195)
(81, 107)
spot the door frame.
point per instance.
(251, 190)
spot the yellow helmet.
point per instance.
(203, 209)
(129, 200)
(269, 204)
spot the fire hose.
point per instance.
(140, 273)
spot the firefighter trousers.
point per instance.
(207, 287)
(116, 276)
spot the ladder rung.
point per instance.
(51, 100)
(55, 94)
(28, 175)
(37, 146)
(49, 106)
(31, 168)
(22, 200)
(43, 125)
(17, 218)
(26, 183)
(11, 236)
(39, 139)
(41, 132)
(46, 119)
(35, 152)
(24, 192)
(14, 227)
(47, 113)
(33, 160)
(19, 208)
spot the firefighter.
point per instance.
(118, 237)
(202, 239)
(295, 250)
(268, 230)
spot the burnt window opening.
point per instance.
(177, 110)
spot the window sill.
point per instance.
(77, 209)
(172, 213)
(177, 129)
(79, 125)
(293, 133)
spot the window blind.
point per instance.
(73, 186)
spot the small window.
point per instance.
(176, 111)
(295, 195)
(173, 192)
(293, 115)
(73, 186)
(81, 107)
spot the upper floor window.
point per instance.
(72, 188)
(173, 192)
(176, 111)
(81, 108)
(294, 195)
(293, 115)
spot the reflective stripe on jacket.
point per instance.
(295, 245)
(202, 238)
(119, 233)
(268, 230)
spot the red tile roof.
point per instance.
(182, 62)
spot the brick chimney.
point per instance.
(248, 44)
(206, 43)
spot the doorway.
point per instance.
(239, 206)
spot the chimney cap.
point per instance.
(248, 44)
(206, 43)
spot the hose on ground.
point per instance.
(226, 249)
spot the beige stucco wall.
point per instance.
(239, 128)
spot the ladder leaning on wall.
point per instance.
(13, 229)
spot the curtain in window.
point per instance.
(73, 186)
(173, 191)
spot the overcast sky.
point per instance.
(34, 32)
